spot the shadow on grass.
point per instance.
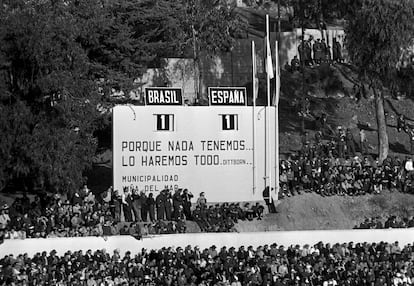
(399, 148)
(365, 127)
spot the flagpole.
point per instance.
(277, 157)
(267, 108)
(254, 76)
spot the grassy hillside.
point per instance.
(330, 90)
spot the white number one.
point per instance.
(227, 117)
(162, 117)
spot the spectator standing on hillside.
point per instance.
(202, 201)
(76, 197)
(317, 51)
(350, 144)
(89, 198)
(411, 134)
(305, 109)
(322, 125)
(363, 142)
(341, 142)
(308, 51)
(107, 195)
(305, 139)
(302, 52)
(337, 51)
(409, 167)
(295, 64)
(268, 200)
(85, 191)
(4, 217)
(402, 124)
(326, 52)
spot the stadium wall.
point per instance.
(204, 240)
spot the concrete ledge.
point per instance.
(204, 240)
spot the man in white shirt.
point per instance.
(330, 282)
(4, 217)
(409, 165)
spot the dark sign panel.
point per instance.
(227, 95)
(163, 96)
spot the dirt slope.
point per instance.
(311, 211)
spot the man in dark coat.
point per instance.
(144, 206)
(136, 205)
(268, 200)
(302, 53)
(308, 52)
(168, 205)
(160, 203)
(150, 206)
(177, 203)
(186, 197)
(317, 51)
(117, 205)
(337, 51)
(127, 207)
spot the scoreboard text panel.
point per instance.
(203, 149)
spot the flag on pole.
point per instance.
(270, 75)
(277, 75)
(255, 80)
(269, 64)
(254, 73)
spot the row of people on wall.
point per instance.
(313, 52)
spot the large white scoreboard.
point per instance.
(224, 151)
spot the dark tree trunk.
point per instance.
(382, 125)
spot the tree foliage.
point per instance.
(377, 32)
(60, 59)
(208, 28)
(48, 97)
(212, 24)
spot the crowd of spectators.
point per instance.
(82, 214)
(329, 164)
(222, 218)
(315, 52)
(391, 221)
(356, 264)
(54, 216)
